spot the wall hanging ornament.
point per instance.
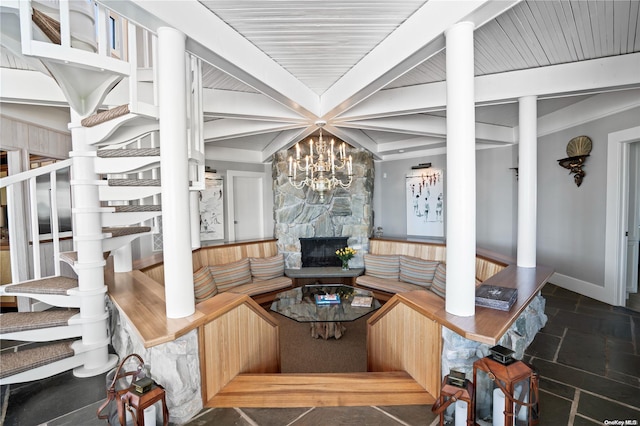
(578, 149)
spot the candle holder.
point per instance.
(506, 390)
(455, 403)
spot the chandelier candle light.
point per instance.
(345, 254)
(320, 169)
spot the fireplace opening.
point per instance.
(321, 251)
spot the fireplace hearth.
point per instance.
(321, 251)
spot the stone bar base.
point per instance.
(327, 330)
(174, 365)
(460, 353)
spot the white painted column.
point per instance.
(461, 171)
(174, 173)
(527, 181)
(194, 208)
(88, 238)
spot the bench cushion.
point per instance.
(263, 286)
(386, 285)
(266, 268)
(417, 271)
(439, 285)
(204, 285)
(232, 274)
(382, 266)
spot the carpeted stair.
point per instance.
(134, 182)
(134, 152)
(22, 321)
(134, 208)
(52, 285)
(126, 230)
(17, 362)
(104, 116)
(49, 26)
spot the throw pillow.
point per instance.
(231, 274)
(266, 268)
(417, 271)
(204, 286)
(382, 266)
(439, 285)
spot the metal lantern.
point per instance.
(506, 390)
(455, 403)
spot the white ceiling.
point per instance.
(375, 70)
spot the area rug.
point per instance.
(301, 353)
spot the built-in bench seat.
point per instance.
(253, 268)
(487, 325)
(398, 266)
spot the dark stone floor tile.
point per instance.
(37, 402)
(219, 417)
(85, 416)
(623, 362)
(583, 421)
(601, 409)
(593, 304)
(616, 345)
(322, 416)
(583, 351)
(566, 294)
(411, 414)
(590, 382)
(623, 378)
(274, 416)
(626, 311)
(557, 388)
(617, 328)
(554, 410)
(543, 346)
(561, 303)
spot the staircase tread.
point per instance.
(135, 152)
(48, 25)
(104, 116)
(22, 321)
(321, 389)
(23, 360)
(50, 285)
(145, 208)
(125, 230)
(134, 182)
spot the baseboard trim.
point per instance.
(585, 288)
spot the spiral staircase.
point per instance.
(115, 178)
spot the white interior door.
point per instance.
(245, 205)
(633, 234)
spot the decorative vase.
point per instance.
(345, 265)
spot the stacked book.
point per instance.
(496, 297)
(327, 299)
(362, 301)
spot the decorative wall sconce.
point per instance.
(578, 149)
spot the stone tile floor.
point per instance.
(588, 356)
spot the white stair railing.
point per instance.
(16, 183)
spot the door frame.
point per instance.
(615, 266)
(231, 174)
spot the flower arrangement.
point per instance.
(345, 254)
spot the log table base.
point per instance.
(327, 330)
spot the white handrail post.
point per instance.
(55, 228)
(65, 24)
(35, 232)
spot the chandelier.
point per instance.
(317, 169)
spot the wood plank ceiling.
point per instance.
(374, 69)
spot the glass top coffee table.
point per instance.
(325, 318)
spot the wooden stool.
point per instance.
(139, 401)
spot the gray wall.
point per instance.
(571, 219)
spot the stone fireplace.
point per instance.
(346, 213)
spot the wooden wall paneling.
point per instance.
(238, 341)
(403, 339)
